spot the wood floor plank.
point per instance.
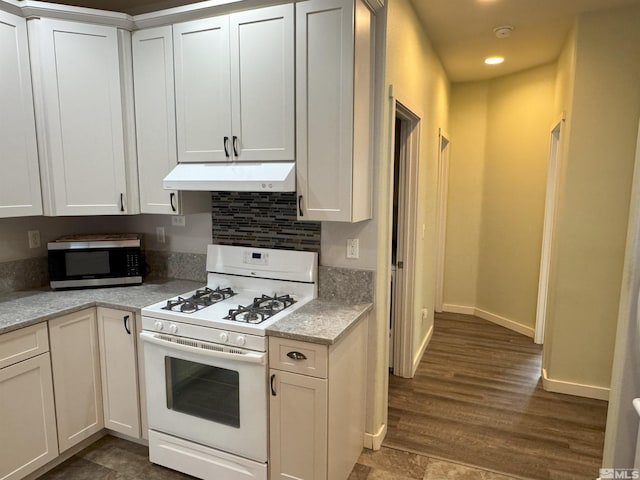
(477, 399)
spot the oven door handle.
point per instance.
(247, 356)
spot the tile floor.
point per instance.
(112, 458)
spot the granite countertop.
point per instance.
(21, 309)
(319, 321)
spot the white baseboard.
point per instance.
(447, 307)
(570, 388)
(423, 347)
(373, 441)
(491, 317)
(505, 322)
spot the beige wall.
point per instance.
(420, 84)
(469, 104)
(593, 206)
(517, 147)
(499, 149)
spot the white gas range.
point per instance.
(206, 361)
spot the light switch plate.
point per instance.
(178, 221)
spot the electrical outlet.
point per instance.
(160, 238)
(178, 221)
(353, 248)
(34, 238)
(425, 313)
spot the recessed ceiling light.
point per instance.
(494, 60)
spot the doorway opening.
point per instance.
(406, 148)
(547, 229)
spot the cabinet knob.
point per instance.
(296, 356)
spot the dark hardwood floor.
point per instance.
(477, 399)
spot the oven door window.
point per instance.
(203, 391)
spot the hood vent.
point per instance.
(233, 177)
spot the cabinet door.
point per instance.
(27, 415)
(20, 180)
(118, 366)
(262, 84)
(203, 95)
(77, 73)
(324, 105)
(155, 117)
(298, 427)
(75, 361)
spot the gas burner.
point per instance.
(261, 309)
(208, 296)
(275, 302)
(248, 314)
(202, 298)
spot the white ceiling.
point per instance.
(461, 32)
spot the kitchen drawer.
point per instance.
(22, 344)
(313, 360)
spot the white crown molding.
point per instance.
(37, 9)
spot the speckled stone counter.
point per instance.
(319, 321)
(21, 309)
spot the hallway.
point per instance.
(477, 399)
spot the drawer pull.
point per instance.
(296, 356)
(273, 390)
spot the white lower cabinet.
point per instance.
(27, 417)
(316, 407)
(75, 360)
(117, 338)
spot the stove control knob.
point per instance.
(173, 328)
(158, 325)
(240, 341)
(224, 338)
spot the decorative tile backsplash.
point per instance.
(261, 219)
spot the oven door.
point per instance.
(210, 394)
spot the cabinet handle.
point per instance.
(296, 356)
(226, 147)
(300, 205)
(235, 145)
(126, 327)
(172, 198)
(122, 202)
(273, 390)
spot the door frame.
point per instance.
(551, 198)
(444, 144)
(404, 290)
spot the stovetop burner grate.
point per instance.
(261, 309)
(202, 298)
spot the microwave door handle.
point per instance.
(246, 356)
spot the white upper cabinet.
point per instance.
(334, 59)
(20, 180)
(79, 110)
(234, 87)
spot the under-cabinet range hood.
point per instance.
(233, 177)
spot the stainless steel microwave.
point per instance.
(81, 261)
